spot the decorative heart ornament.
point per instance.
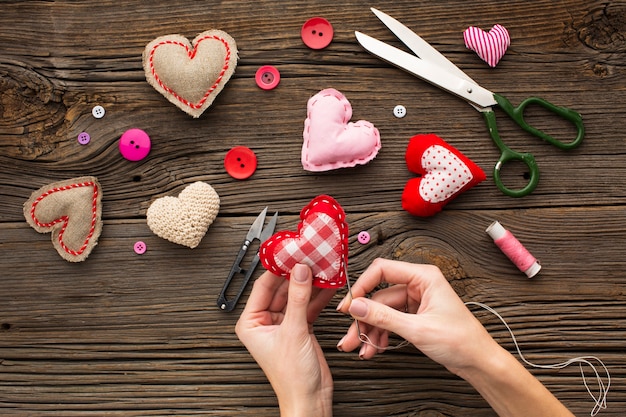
(444, 174)
(72, 211)
(320, 242)
(331, 141)
(184, 219)
(490, 46)
(190, 75)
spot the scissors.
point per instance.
(257, 232)
(430, 65)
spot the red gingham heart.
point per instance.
(321, 242)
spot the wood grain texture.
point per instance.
(128, 335)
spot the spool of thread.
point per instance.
(513, 249)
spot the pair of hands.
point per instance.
(277, 327)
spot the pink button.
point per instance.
(135, 144)
(240, 162)
(317, 33)
(140, 248)
(84, 138)
(267, 77)
(363, 238)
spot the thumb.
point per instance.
(299, 295)
(382, 316)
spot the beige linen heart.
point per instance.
(190, 75)
(71, 210)
(185, 219)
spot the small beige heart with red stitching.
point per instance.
(190, 75)
(71, 210)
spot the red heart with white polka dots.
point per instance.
(444, 172)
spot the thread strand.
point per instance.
(603, 390)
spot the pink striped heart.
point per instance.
(490, 46)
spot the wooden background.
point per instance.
(128, 335)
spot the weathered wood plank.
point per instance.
(122, 334)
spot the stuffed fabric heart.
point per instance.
(320, 242)
(184, 219)
(72, 211)
(331, 141)
(190, 75)
(444, 173)
(489, 46)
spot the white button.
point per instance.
(399, 111)
(98, 112)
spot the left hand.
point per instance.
(276, 327)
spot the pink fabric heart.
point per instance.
(331, 141)
(490, 46)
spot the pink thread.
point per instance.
(513, 249)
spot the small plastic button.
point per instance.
(240, 162)
(399, 111)
(267, 77)
(317, 33)
(363, 238)
(84, 138)
(98, 112)
(140, 248)
(135, 144)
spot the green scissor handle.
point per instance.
(507, 154)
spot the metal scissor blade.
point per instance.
(419, 46)
(269, 229)
(256, 231)
(429, 72)
(257, 226)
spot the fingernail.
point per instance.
(299, 273)
(362, 353)
(358, 308)
(340, 344)
(341, 303)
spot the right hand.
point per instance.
(419, 306)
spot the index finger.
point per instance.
(392, 272)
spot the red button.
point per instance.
(267, 77)
(135, 144)
(240, 162)
(317, 33)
